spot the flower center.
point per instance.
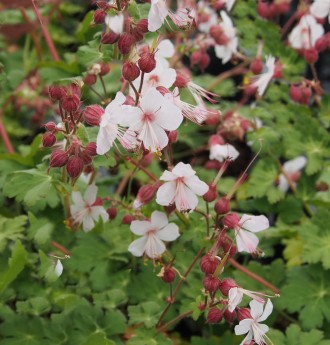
(154, 78)
(148, 117)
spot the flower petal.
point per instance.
(267, 311)
(137, 247)
(90, 194)
(159, 219)
(166, 194)
(243, 327)
(256, 309)
(152, 101)
(58, 268)
(169, 116)
(254, 223)
(246, 241)
(140, 227)
(196, 185)
(78, 199)
(169, 233)
(283, 184)
(295, 164)
(154, 247)
(235, 296)
(183, 170)
(88, 223)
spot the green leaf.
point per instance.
(147, 312)
(15, 266)
(99, 339)
(143, 336)
(40, 229)
(11, 229)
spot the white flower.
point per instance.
(115, 23)
(225, 51)
(181, 188)
(83, 210)
(264, 79)
(110, 129)
(246, 240)
(153, 233)
(58, 269)
(152, 118)
(235, 296)
(164, 51)
(222, 152)
(157, 14)
(230, 4)
(255, 331)
(292, 170)
(321, 9)
(206, 17)
(306, 33)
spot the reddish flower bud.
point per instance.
(295, 93)
(92, 114)
(212, 165)
(137, 34)
(211, 194)
(125, 43)
(230, 317)
(168, 275)
(109, 37)
(90, 149)
(306, 94)
(70, 103)
(182, 79)
(173, 136)
(311, 55)
(99, 16)
(127, 219)
(211, 283)
(142, 25)
(105, 68)
(145, 195)
(209, 264)
(263, 10)
(48, 139)
(112, 212)
(90, 79)
(130, 71)
(56, 92)
(98, 202)
(195, 57)
(58, 159)
(243, 313)
(283, 7)
(231, 220)
(147, 159)
(86, 158)
(216, 139)
(218, 35)
(227, 284)
(163, 90)
(147, 62)
(213, 118)
(222, 206)
(205, 61)
(75, 166)
(256, 66)
(50, 126)
(229, 247)
(278, 70)
(214, 315)
(250, 90)
(321, 44)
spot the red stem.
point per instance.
(5, 138)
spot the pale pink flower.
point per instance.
(246, 240)
(153, 233)
(263, 80)
(181, 187)
(226, 51)
(115, 23)
(83, 210)
(152, 118)
(321, 9)
(230, 4)
(223, 152)
(164, 51)
(292, 170)
(110, 127)
(236, 294)
(255, 331)
(305, 34)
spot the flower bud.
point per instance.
(205, 61)
(58, 159)
(230, 248)
(211, 283)
(214, 315)
(222, 206)
(127, 219)
(50, 126)
(256, 66)
(105, 68)
(93, 114)
(182, 79)
(212, 165)
(213, 118)
(147, 62)
(90, 149)
(112, 212)
(48, 139)
(98, 202)
(311, 55)
(130, 71)
(99, 16)
(216, 139)
(295, 93)
(144, 196)
(86, 158)
(227, 284)
(243, 313)
(211, 194)
(306, 94)
(75, 166)
(209, 264)
(263, 10)
(278, 72)
(70, 103)
(231, 220)
(109, 37)
(321, 44)
(230, 317)
(90, 79)
(142, 25)
(137, 34)
(195, 57)
(147, 160)
(56, 92)
(125, 43)
(173, 136)
(168, 275)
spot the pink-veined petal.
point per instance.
(235, 297)
(105, 138)
(257, 309)
(140, 227)
(88, 223)
(169, 116)
(185, 199)
(267, 311)
(157, 14)
(99, 211)
(169, 233)
(168, 176)
(196, 185)
(152, 101)
(183, 170)
(159, 219)
(246, 241)
(254, 223)
(166, 193)
(137, 247)
(154, 247)
(153, 137)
